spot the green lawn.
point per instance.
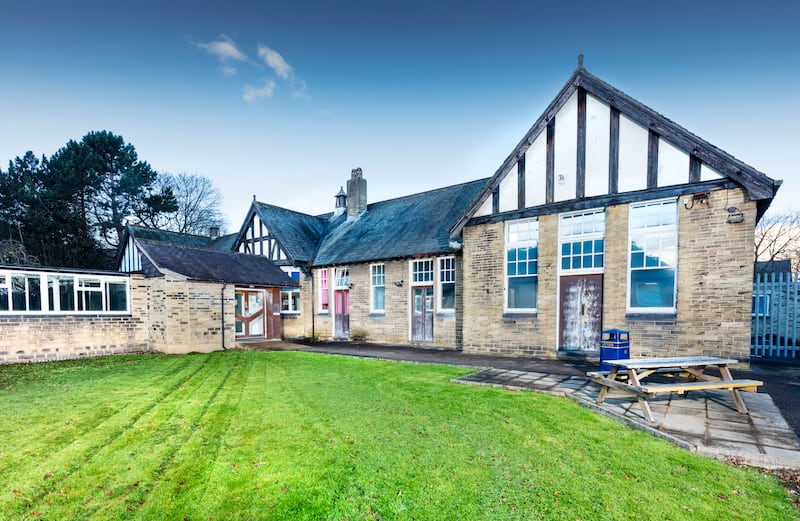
(240, 435)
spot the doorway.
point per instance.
(250, 314)
(581, 313)
(422, 314)
(341, 321)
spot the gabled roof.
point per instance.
(758, 186)
(212, 265)
(413, 225)
(297, 233)
(152, 234)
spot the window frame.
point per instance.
(517, 245)
(564, 237)
(430, 274)
(324, 291)
(40, 295)
(291, 295)
(442, 269)
(377, 280)
(663, 230)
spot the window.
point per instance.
(342, 279)
(324, 294)
(377, 288)
(42, 292)
(582, 239)
(653, 257)
(290, 298)
(422, 272)
(447, 284)
(522, 265)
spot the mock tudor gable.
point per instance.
(607, 215)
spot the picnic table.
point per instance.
(688, 373)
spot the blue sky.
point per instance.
(282, 99)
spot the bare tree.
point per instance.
(777, 237)
(13, 252)
(199, 202)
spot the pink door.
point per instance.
(341, 321)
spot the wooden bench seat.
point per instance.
(682, 387)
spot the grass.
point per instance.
(242, 435)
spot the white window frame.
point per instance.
(517, 244)
(446, 269)
(341, 278)
(377, 280)
(290, 293)
(79, 293)
(662, 230)
(324, 289)
(567, 234)
(425, 275)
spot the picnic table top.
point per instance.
(679, 361)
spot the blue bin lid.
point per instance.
(611, 331)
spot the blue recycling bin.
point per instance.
(615, 344)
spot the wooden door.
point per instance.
(250, 315)
(422, 314)
(273, 310)
(341, 321)
(581, 313)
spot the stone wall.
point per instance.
(715, 271)
(28, 338)
(186, 316)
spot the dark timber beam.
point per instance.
(580, 181)
(652, 160)
(550, 174)
(613, 152)
(521, 182)
(496, 200)
(694, 168)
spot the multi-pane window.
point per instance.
(422, 272)
(290, 298)
(342, 279)
(323, 290)
(377, 285)
(42, 292)
(653, 256)
(447, 284)
(582, 239)
(522, 265)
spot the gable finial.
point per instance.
(580, 61)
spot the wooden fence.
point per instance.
(775, 316)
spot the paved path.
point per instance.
(705, 421)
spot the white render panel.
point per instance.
(708, 174)
(598, 121)
(536, 172)
(485, 208)
(632, 155)
(673, 164)
(508, 190)
(566, 150)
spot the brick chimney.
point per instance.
(356, 193)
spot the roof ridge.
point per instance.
(150, 228)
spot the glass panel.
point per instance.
(255, 302)
(637, 260)
(239, 303)
(379, 298)
(653, 288)
(18, 294)
(239, 327)
(448, 296)
(3, 299)
(295, 301)
(95, 301)
(257, 326)
(522, 293)
(117, 296)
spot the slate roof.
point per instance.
(212, 265)
(298, 233)
(413, 225)
(151, 234)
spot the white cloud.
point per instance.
(226, 51)
(253, 94)
(275, 61)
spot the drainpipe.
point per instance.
(222, 300)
